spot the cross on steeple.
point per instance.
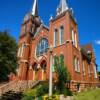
(35, 8)
(62, 7)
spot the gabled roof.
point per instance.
(39, 29)
(63, 14)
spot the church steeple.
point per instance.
(35, 8)
(62, 7)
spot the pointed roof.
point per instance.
(63, 6)
(35, 8)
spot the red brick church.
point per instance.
(39, 44)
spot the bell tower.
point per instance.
(29, 27)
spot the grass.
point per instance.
(93, 94)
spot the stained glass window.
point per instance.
(42, 46)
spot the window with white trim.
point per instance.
(61, 35)
(21, 50)
(95, 71)
(83, 67)
(74, 38)
(89, 70)
(76, 64)
(55, 37)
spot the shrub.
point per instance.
(63, 75)
(27, 97)
(67, 92)
(38, 91)
(42, 90)
(29, 94)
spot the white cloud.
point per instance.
(97, 42)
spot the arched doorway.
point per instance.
(43, 68)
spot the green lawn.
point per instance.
(88, 95)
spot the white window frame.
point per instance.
(75, 40)
(19, 51)
(83, 67)
(76, 64)
(73, 36)
(95, 72)
(89, 71)
(61, 35)
(55, 37)
(22, 50)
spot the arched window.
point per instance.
(43, 64)
(42, 47)
(35, 66)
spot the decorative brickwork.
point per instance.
(36, 41)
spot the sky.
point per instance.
(86, 12)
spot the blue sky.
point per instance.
(87, 13)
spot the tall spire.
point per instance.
(35, 8)
(62, 7)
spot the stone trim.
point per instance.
(73, 81)
(24, 61)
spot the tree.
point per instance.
(62, 73)
(8, 59)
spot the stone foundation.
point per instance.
(80, 86)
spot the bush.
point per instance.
(38, 91)
(62, 73)
(27, 98)
(42, 90)
(67, 92)
(29, 94)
